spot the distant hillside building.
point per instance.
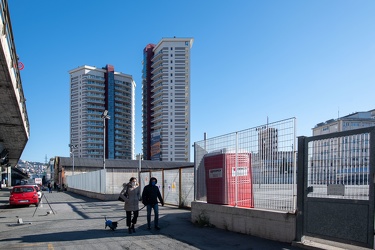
(93, 90)
(166, 100)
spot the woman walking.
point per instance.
(131, 195)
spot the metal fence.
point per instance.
(104, 181)
(336, 187)
(176, 185)
(338, 167)
(255, 167)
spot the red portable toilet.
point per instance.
(221, 179)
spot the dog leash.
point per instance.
(137, 210)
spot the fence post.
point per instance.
(236, 175)
(179, 187)
(300, 187)
(371, 180)
(195, 174)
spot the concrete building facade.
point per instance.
(342, 159)
(166, 100)
(356, 120)
(93, 90)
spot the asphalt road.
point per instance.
(69, 221)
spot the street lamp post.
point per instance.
(72, 147)
(139, 167)
(104, 116)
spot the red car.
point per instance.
(24, 195)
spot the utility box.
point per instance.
(222, 183)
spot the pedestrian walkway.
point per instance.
(69, 221)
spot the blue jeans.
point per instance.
(156, 213)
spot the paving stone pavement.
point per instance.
(66, 220)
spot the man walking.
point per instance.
(49, 185)
(150, 196)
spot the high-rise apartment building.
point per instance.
(166, 100)
(92, 91)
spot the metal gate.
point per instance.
(335, 199)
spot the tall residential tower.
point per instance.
(93, 90)
(166, 100)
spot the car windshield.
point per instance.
(23, 189)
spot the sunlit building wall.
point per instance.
(93, 90)
(166, 100)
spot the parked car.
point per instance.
(24, 195)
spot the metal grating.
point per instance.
(339, 167)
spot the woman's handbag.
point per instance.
(126, 195)
(120, 198)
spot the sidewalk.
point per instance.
(77, 222)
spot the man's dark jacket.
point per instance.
(151, 194)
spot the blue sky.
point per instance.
(312, 59)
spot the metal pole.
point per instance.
(73, 160)
(72, 148)
(195, 175)
(139, 168)
(295, 187)
(104, 116)
(236, 175)
(7, 178)
(104, 142)
(1, 176)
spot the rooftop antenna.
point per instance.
(338, 112)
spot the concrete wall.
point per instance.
(99, 196)
(273, 225)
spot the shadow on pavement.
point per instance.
(71, 236)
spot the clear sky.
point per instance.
(251, 59)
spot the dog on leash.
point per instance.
(111, 224)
